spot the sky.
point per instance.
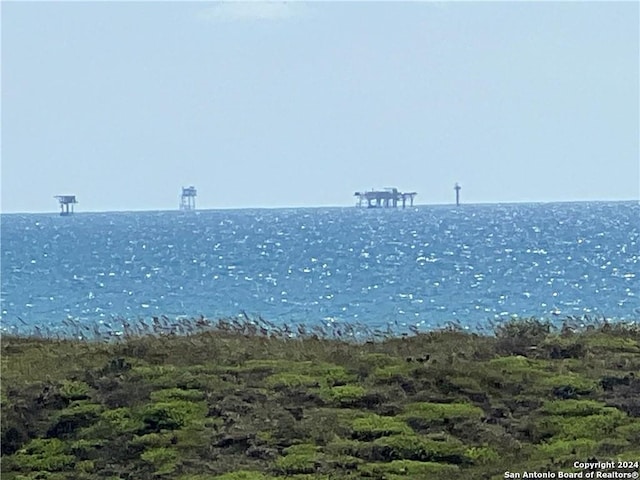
(301, 104)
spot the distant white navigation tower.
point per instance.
(188, 198)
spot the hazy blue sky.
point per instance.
(301, 104)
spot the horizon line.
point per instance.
(289, 207)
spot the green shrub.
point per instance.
(290, 380)
(299, 459)
(343, 394)
(578, 448)
(578, 383)
(392, 373)
(47, 455)
(271, 366)
(584, 426)
(572, 407)
(296, 464)
(166, 376)
(333, 375)
(341, 447)
(374, 426)
(155, 371)
(85, 466)
(169, 394)
(38, 476)
(77, 415)
(74, 390)
(631, 432)
(409, 468)
(460, 383)
(610, 344)
(593, 426)
(482, 455)
(162, 459)
(172, 415)
(612, 446)
(378, 359)
(516, 364)
(45, 446)
(288, 374)
(422, 415)
(153, 440)
(85, 449)
(413, 447)
(119, 421)
(302, 449)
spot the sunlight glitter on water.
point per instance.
(433, 264)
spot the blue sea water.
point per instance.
(422, 266)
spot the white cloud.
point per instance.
(248, 11)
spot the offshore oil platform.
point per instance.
(387, 198)
(188, 198)
(66, 204)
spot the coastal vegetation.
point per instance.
(247, 400)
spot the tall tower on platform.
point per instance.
(457, 188)
(188, 198)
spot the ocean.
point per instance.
(420, 267)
